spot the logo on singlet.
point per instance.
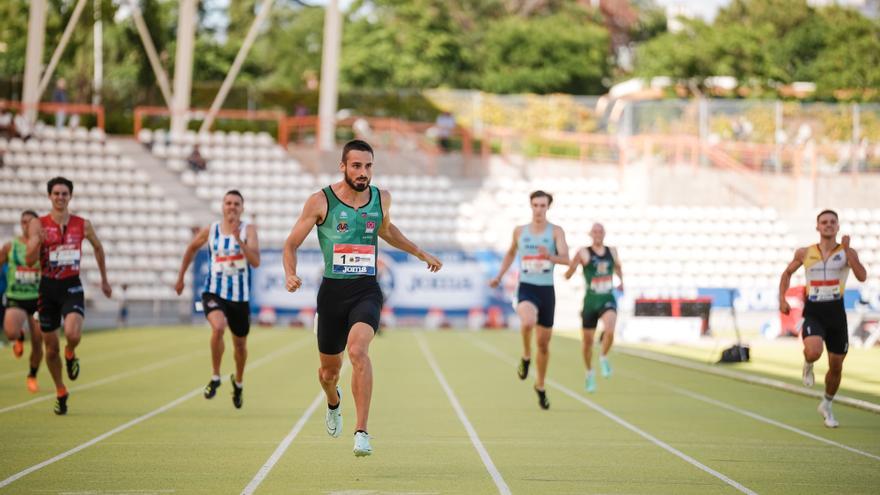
(371, 226)
(342, 227)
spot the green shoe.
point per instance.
(333, 419)
(606, 368)
(591, 383)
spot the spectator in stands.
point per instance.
(122, 317)
(59, 95)
(445, 126)
(196, 161)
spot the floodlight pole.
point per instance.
(34, 58)
(152, 55)
(183, 65)
(98, 38)
(254, 30)
(329, 92)
(59, 50)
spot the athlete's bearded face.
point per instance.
(828, 226)
(233, 207)
(358, 169)
(60, 197)
(540, 205)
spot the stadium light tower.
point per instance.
(329, 91)
(34, 58)
(183, 65)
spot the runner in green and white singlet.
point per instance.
(22, 292)
(599, 263)
(351, 216)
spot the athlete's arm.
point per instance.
(852, 259)
(574, 263)
(251, 247)
(393, 236)
(4, 253)
(509, 256)
(618, 268)
(312, 213)
(561, 256)
(92, 237)
(35, 240)
(198, 241)
(784, 282)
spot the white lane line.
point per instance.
(622, 422)
(283, 446)
(176, 402)
(753, 415)
(472, 433)
(104, 381)
(748, 378)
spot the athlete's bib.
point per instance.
(536, 264)
(230, 265)
(823, 290)
(601, 285)
(64, 255)
(27, 276)
(354, 259)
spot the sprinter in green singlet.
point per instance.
(350, 215)
(599, 263)
(539, 246)
(22, 292)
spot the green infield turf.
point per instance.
(449, 415)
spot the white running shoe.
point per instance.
(825, 410)
(334, 418)
(362, 446)
(809, 379)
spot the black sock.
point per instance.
(829, 398)
(333, 408)
(526, 360)
(361, 431)
(33, 372)
(21, 337)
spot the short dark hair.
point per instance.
(541, 194)
(59, 180)
(827, 211)
(234, 192)
(357, 145)
(31, 213)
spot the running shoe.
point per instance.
(542, 399)
(523, 369)
(825, 410)
(61, 404)
(333, 419)
(809, 379)
(32, 385)
(590, 384)
(236, 392)
(605, 366)
(211, 389)
(72, 367)
(362, 447)
(18, 348)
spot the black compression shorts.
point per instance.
(58, 298)
(827, 320)
(341, 304)
(238, 314)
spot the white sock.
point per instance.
(603, 358)
(238, 384)
(215, 378)
(589, 373)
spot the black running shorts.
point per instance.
(543, 297)
(590, 315)
(29, 306)
(58, 298)
(341, 304)
(827, 320)
(238, 314)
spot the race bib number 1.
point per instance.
(65, 255)
(354, 259)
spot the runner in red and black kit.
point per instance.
(56, 240)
